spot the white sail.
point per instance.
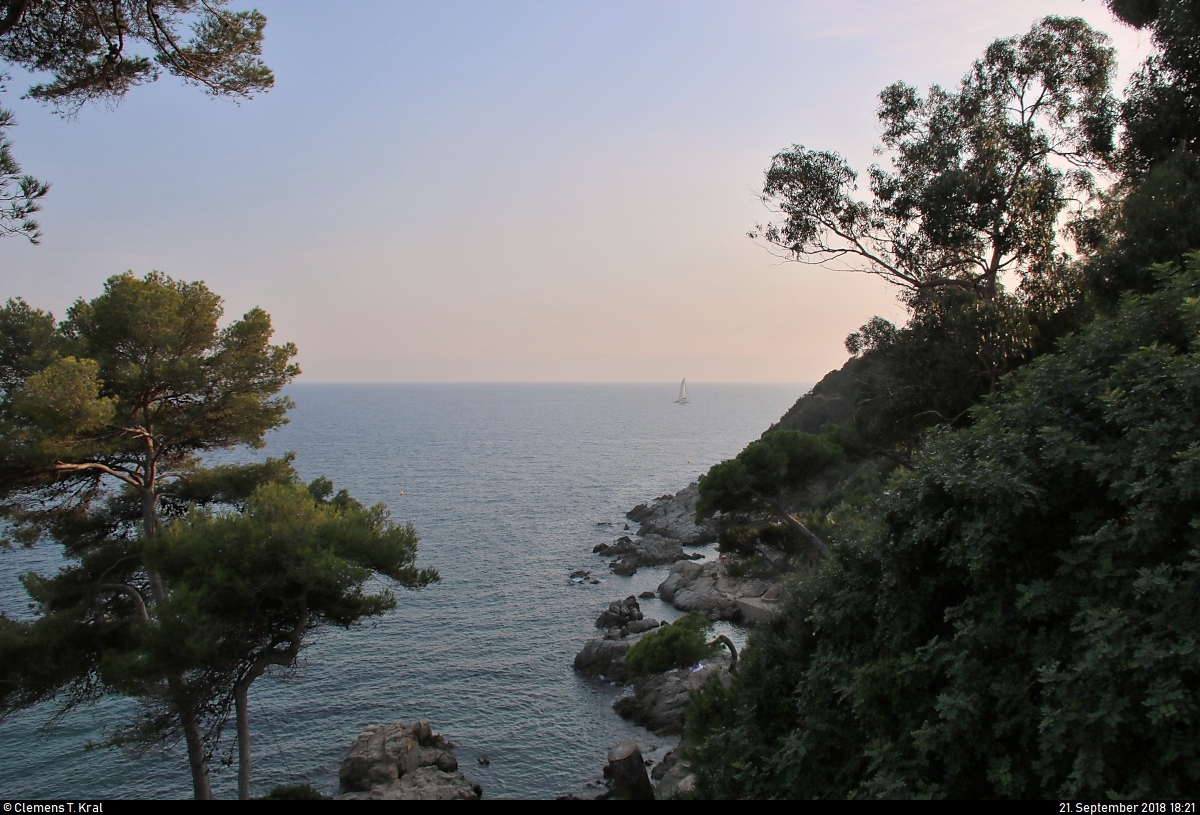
(683, 397)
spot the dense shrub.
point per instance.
(675, 645)
(737, 540)
(1024, 622)
(782, 537)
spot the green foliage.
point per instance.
(975, 185)
(828, 402)
(1014, 614)
(1161, 112)
(20, 194)
(710, 707)
(90, 51)
(1023, 623)
(184, 583)
(1155, 222)
(738, 540)
(141, 375)
(781, 537)
(249, 584)
(745, 540)
(780, 461)
(930, 372)
(674, 645)
(85, 47)
(754, 565)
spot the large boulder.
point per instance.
(404, 762)
(707, 588)
(623, 624)
(604, 658)
(620, 613)
(658, 701)
(674, 517)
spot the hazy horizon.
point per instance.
(519, 192)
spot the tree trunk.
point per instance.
(240, 700)
(791, 520)
(197, 758)
(241, 693)
(628, 772)
(728, 643)
(197, 761)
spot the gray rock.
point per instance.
(642, 511)
(647, 550)
(641, 626)
(619, 613)
(673, 775)
(403, 762)
(604, 657)
(658, 701)
(674, 517)
(707, 588)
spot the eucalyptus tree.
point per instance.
(99, 51)
(980, 174)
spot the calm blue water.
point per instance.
(507, 486)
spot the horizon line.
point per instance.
(671, 382)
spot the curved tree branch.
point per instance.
(791, 520)
(13, 11)
(130, 591)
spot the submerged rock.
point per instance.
(404, 762)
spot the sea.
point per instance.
(510, 486)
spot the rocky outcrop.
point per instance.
(673, 775)
(604, 658)
(649, 550)
(625, 615)
(708, 588)
(623, 623)
(674, 517)
(402, 762)
(658, 701)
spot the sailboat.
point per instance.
(683, 397)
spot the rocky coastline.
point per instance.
(411, 762)
(665, 529)
(665, 526)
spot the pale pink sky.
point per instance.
(518, 191)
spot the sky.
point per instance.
(504, 192)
